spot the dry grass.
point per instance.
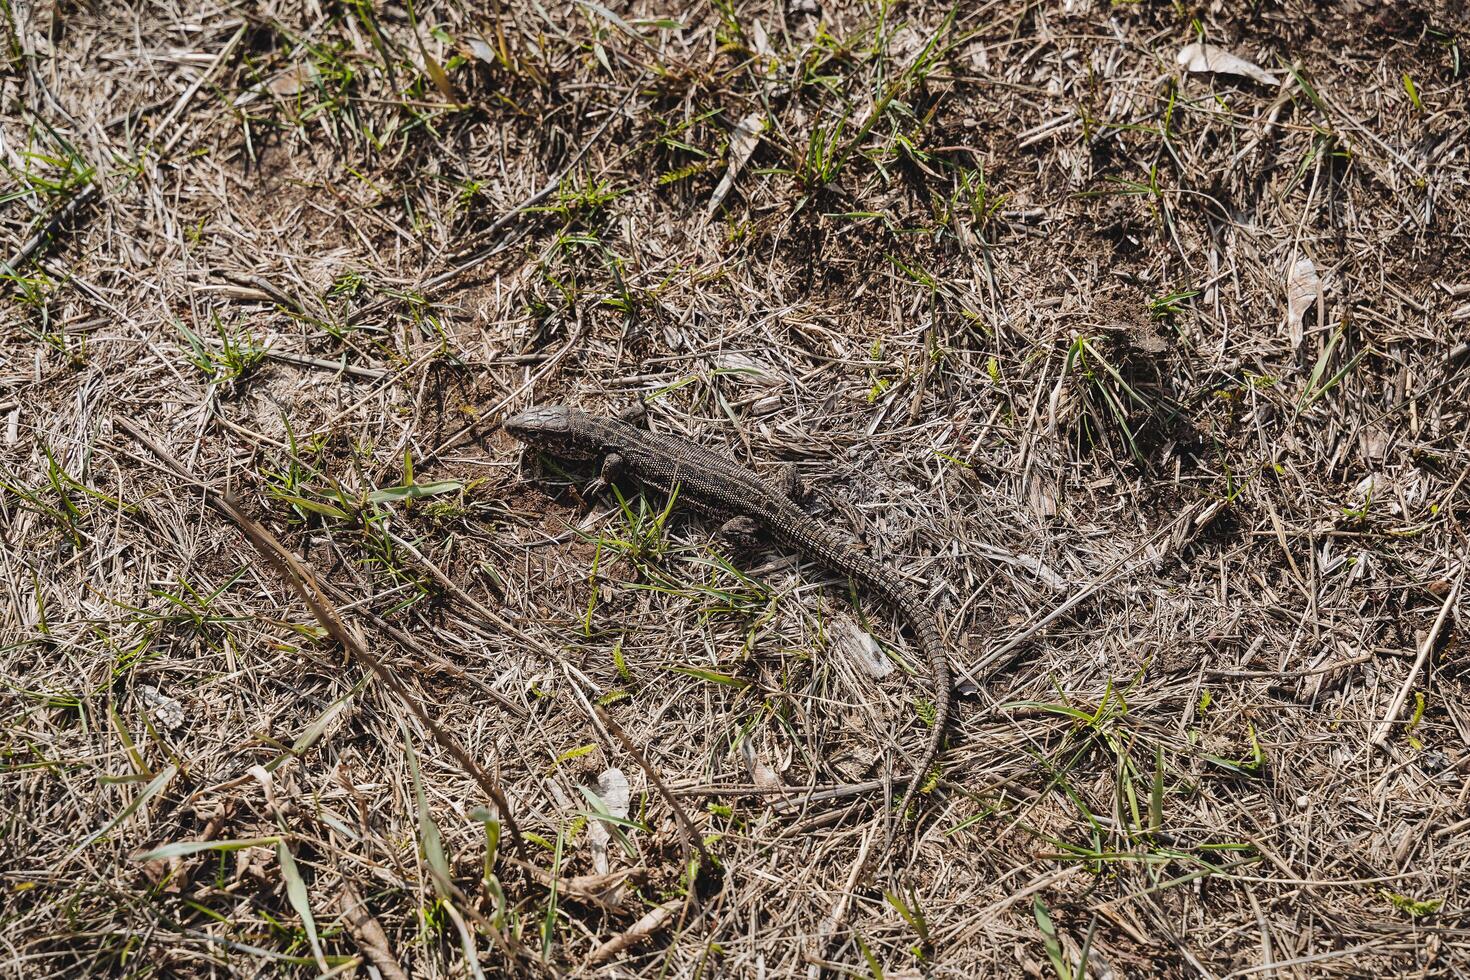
(1008, 285)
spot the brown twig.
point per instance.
(687, 830)
(305, 585)
(1384, 727)
(368, 932)
(63, 215)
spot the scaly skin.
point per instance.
(723, 488)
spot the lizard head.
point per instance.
(556, 429)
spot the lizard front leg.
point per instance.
(612, 468)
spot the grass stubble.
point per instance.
(1154, 378)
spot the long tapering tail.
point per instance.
(821, 542)
(925, 628)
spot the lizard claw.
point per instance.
(612, 468)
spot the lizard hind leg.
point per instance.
(635, 414)
(740, 534)
(793, 486)
(790, 481)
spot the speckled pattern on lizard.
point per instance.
(719, 486)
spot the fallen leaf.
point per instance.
(744, 368)
(368, 932)
(979, 57)
(290, 81)
(612, 786)
(760, 772)
(742, 144)
(480, 49)
(438, 76)
(858, 646)
(645, 927)
(613, 790)
(1303, 290)
(761, 41)
(1207, 57)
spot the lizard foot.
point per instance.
(739, 534)
(612, 467)
(635, 414)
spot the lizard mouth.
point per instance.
(549, 428)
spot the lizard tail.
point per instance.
(926, 631)
(910, 606)
(822, 543)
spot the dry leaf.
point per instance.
(368, 932)
(1207, 57)
(858, 646)
(432, 68)
(761, 41)
(760, 772)
(1303, 289)
(480, 49)
(290, 81)
(637, 932)
(167, 712)
(742, 144)
(438, 76)
(747, 369)
(612, 786)
(979, 57)
(612, 789)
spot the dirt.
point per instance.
(1007, 284)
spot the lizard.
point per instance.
(723, 488)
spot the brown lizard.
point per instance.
(723, 488)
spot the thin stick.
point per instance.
(414, 646)
(494, 415)
(1424, 648)
(338, 367)
(818, 946)
(976, 673)
(64, 214)
(192, 90)
(434, 282)
(686, 827)
(306, 587)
